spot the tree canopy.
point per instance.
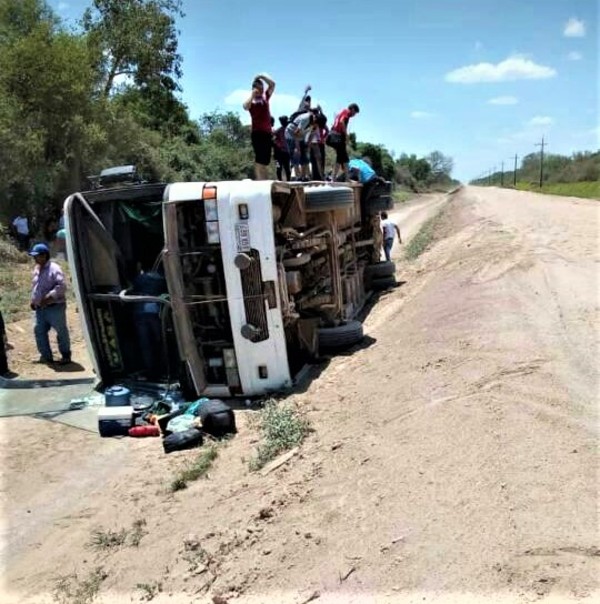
(73, 102)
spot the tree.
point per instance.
(441, 166)
(46, 84)
(156, 108)
(135, 38)
(352, 141)
(381, 160)
(225, 148)
(18, 18)
(419, 168)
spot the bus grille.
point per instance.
(254, 298)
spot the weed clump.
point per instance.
(196, 470)
(282, 428)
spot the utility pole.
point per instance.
(515, 173)
(502, 175)
(542, 145)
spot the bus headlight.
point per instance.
(229, 358)
(212, 232)
(210, 210)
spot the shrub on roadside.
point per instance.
(282, 428)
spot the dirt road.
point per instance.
(453, 459)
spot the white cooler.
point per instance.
(115, 421)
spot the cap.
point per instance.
(39, 248)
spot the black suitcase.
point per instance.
(178, 441)
(217, 418)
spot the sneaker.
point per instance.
(65, 361)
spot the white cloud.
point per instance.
(504, 100)
(574, 28)
(421, 115)
(62, 6)
(514, 68)
(540, 120)
(237, 97)
(574, 56)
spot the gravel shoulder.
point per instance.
(453, 458)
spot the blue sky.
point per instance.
(480, 80)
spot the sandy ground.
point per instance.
(452, 459)
(23, 357)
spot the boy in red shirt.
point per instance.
(340, 127)
(258, 106)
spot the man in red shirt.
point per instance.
(340, 127)
(258, 106)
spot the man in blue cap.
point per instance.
(48, 302)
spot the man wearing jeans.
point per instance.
(48, 302)
(148, 321)
(389, 228)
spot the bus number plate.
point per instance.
(242, 236)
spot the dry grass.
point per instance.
(197, 469)
(424, 237)
(72, 589)
(590, 190)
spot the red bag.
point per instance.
(144, 431)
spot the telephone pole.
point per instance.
(515, 173)
(502, 175)
(542, 145)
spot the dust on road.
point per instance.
(453, 459)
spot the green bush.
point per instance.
(282, 428)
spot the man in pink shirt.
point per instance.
(260, 113)
(48, 302)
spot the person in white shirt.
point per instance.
(21, 226)
(389, 228)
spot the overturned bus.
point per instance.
(256, 278)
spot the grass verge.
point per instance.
(282, 428)
(108, 539)
(196, 470)
(401, 195)
(589, 190)
(149, 590)
(422, 240)
(105, 539)
(71, 590)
